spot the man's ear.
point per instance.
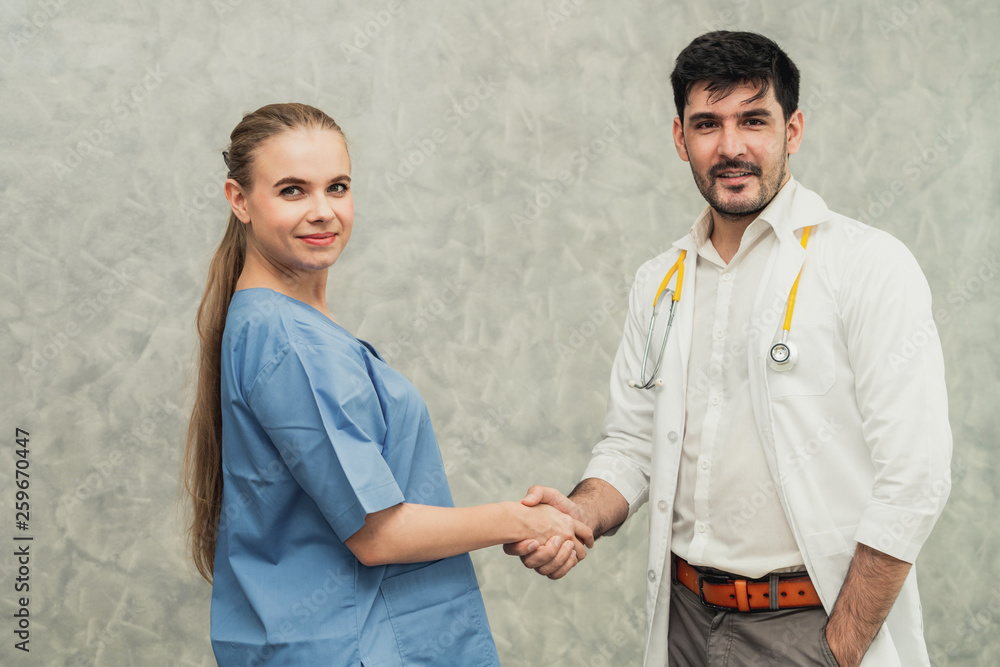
(679, 139)
(237, 200)
(794, 129)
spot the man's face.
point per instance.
(738, 150)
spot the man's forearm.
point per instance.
(602, 506)
(873, 581)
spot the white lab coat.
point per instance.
(856, 436)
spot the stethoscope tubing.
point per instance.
(781, 357)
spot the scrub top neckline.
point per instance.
(315, 313)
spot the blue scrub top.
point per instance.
(317, 432)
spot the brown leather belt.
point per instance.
(770, 594)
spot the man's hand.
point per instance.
(551, 559)
(869, 591)
(594, 502)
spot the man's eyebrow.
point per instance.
(756, 112)
(703, 115)
(295, 180)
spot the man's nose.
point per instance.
(731, 143)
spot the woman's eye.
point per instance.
(290, 191)
(338, 188)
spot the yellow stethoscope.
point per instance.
(782, 356)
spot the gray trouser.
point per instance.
(701, 636)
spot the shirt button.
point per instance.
(701, 527)
(719, 333)
(672, 436)
(715, 400)
(727, 277)
(651, 575)
(662, 505)
(704, 464)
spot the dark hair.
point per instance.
(203, 454)
(725, 59)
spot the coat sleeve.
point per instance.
(896, 356)
(623, 457)
(321, 411)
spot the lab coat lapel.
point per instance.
(788, 217)
(684, 319)
(769, 315)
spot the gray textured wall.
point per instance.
(114, 114)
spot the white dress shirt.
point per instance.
(726, 511)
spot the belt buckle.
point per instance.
(712, 579)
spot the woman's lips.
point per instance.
(320, 239)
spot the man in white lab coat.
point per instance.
(793, 441)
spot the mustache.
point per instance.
(734, 165)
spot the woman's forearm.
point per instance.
(409, 533)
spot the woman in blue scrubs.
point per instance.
(322, 515)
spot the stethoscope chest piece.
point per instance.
(782, 356)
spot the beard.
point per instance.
(769, 179)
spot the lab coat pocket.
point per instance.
(437, 615)
(812, 335)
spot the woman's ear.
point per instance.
(237, 200)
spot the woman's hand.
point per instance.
(547, 525)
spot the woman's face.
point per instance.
(300, 211)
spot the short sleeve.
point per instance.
(321, 411)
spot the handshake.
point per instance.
(563, 533)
